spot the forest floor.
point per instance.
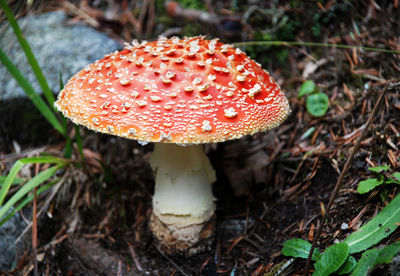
(271, 187)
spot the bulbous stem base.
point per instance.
(183, 204)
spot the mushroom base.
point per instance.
(183, 203)
(189, 240)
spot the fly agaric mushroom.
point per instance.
(179, 93)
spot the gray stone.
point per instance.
(395, 265)
(58, 47)
(11, 252)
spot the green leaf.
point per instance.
(378, 169)
(29, 186)
(373, 257)
(378, 228)
(31, 93)
(317, 104)
(367, 185)
(396, 175)
(307, 87)
(391, 181)
(299, 248)
(332, 259)
(348, 266)
(366, 263)
(387, 253)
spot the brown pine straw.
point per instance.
(34, 228)
(346, 168)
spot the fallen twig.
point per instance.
(52, 194)
(79, 12)
(135, 258)
(34, 228)
(34, 234)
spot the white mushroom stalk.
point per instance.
(183, 202)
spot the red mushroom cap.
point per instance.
(186, 91)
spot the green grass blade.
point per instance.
(78, 140)
(27, 200)
(68, 148)
(29, 186)
(31, 93)
(378, 228)
(9, 180)
(68, 144)
(16, 180)
(28, 52)
(18, 166)
(42, 160)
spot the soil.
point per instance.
(98, 223)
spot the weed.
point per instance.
(317, 102)
(337, 259)
(367, 185)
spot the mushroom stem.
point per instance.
(183, 203)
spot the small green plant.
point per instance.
(367, 185)
(317, 102)
(337, 259)
(22, 195)
(332, 260)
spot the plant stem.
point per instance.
(312, 44)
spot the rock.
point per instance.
(229, 228)
(58, 47)
(10, 252)
(395, 265)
